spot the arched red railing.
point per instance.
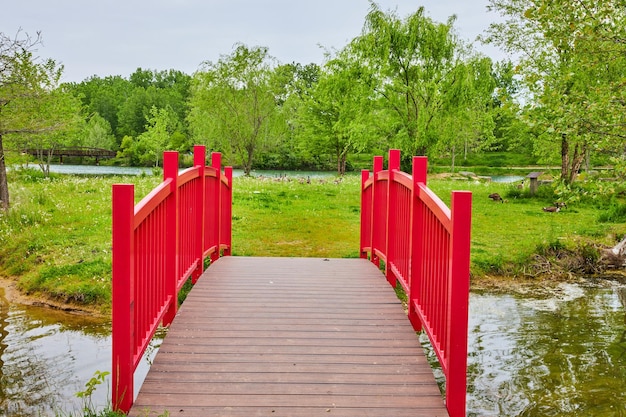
(156, 248)
(425, 246)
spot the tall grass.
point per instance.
(56, 239)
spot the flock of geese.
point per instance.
(551, 209)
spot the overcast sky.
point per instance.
(115, 37)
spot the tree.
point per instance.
(331, 117)
(30, 105)
(104, 96)
(149, 146)
(414, 60)
(233, 104)
(290, 84)
(50, 120)
(466, 119)
(572, 57)
(98, 133)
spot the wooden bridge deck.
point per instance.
(290, 337)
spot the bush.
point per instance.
(616, 213)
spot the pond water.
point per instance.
(116, 170)
(560, 356)
(47, 356)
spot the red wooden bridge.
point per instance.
(289, 336)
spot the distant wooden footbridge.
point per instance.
(73, 151)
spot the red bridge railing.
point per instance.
(425, 246)
(156, 248)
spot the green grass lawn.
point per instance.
(295, 218)
(506, 235)
(56, 240)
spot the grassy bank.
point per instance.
(55, 241)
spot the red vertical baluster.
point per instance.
(456, 381)
(216, 163)
(171, 237)
(123, 296)
(392, 216)
(378, 166)
(199, 161)
(365, 202)
(227, 212)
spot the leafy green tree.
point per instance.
(572, 57)
(98, 133)
(331, 116)
(414, 61)
(126, 103)
(466, 121)
(31, 105)
(53, 120)
(234, 104)
(104, 96)
(149, 146)
(290, 84)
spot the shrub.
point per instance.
(616, 213)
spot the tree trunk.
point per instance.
(453, 158)
(577, 162)
(4, 183)
(564, 158)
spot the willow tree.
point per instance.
(572, 59)
(233, 104)
(414, 61)
(466, 120)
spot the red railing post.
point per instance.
(378, 166)
(172, 244)
(392, 208)
(365, 175)
(419, 173)
(199, 161)
(456, 381)
(226, 217)
(216, 162)
(123, 294)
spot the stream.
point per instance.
(559, 356)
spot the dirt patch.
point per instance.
(13, 295)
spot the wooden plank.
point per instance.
(290, 337)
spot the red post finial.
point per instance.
(394, 159)
(216, 160)
(420, 169)
(199, 155)
(378, 164)
(170, 166)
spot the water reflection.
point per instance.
(565, 356)
(46, 357)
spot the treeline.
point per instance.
(404, 82)
(408, 83)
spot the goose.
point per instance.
(496, 197)
(551, 209)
